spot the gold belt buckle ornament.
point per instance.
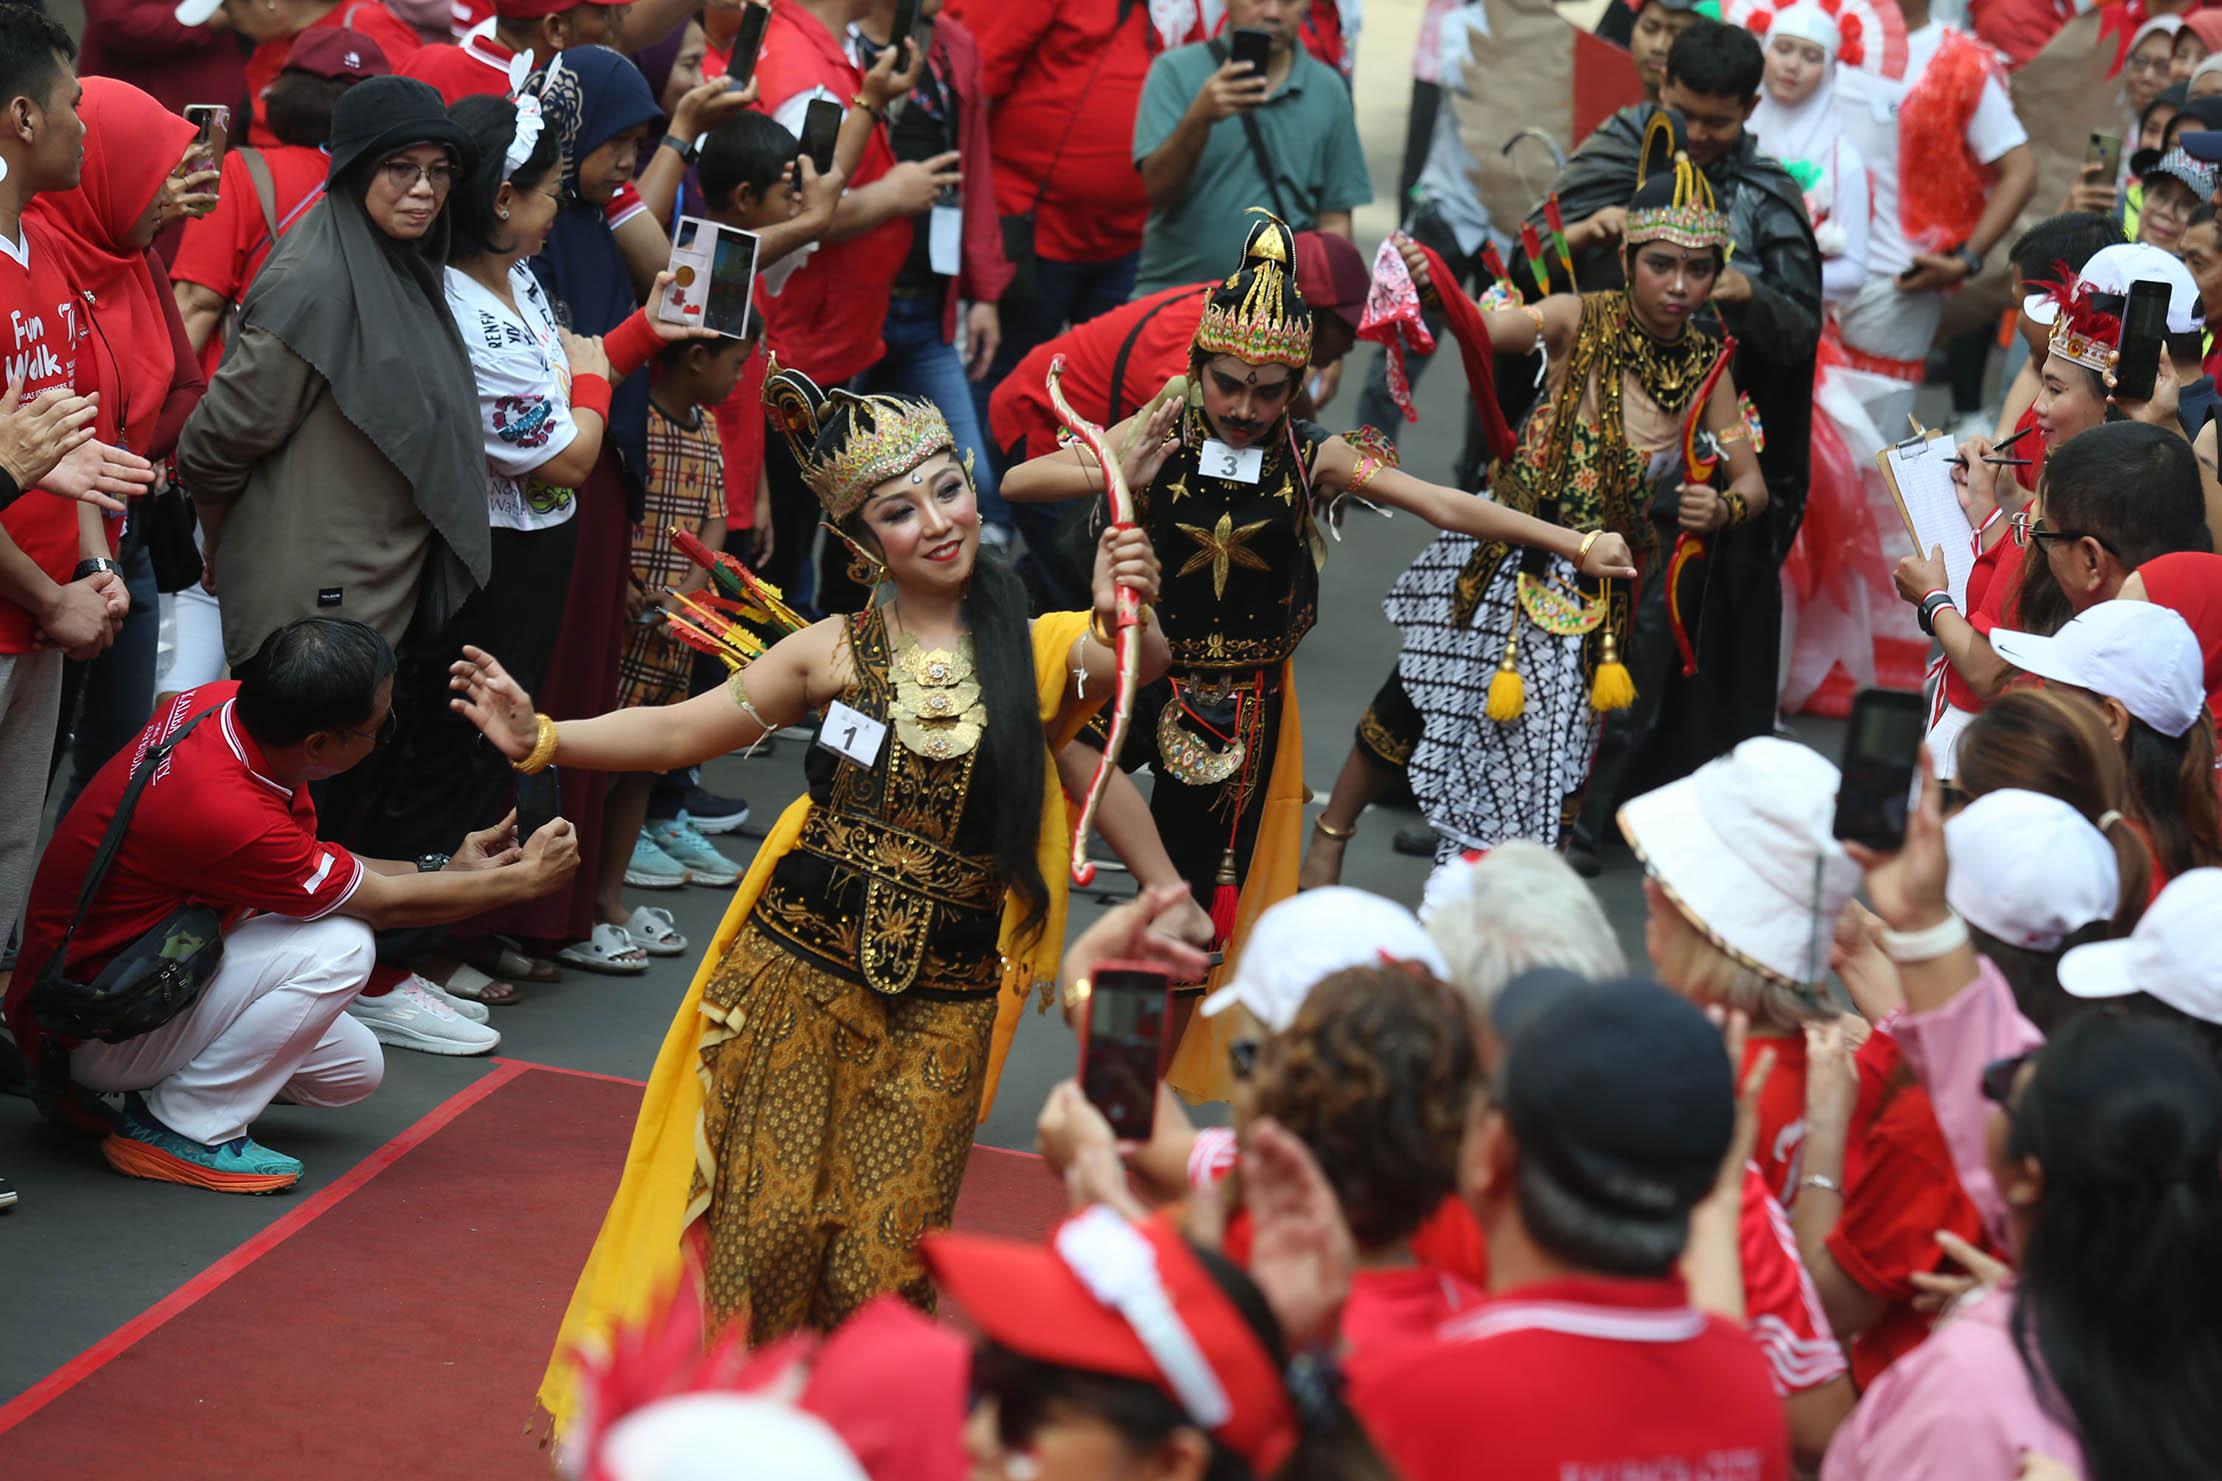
(1556, 609)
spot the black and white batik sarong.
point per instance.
(1480, 782)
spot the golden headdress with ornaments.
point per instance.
(1258, 314)
(1673, 200)
(847, 445)
(2083, 328)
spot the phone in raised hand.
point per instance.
(1122, 1044)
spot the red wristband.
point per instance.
(630, 345)
(591, 393)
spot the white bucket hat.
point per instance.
(2170, 956)
(1743, 844)
(2141, 653)
(2029, 869)
(1308, 938)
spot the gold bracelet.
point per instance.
(1098, 631)
(860, 101)
(1581, 552)
(1340, 835)
(1537, 315)
(1368, 466)
(1077, 994)
(543, 749)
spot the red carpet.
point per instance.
(328, 1347)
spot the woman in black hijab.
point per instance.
(335, 461)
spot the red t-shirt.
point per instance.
(472, 67)
(1020, 406)
(1899, 1190)
(1576, 1378)
(1781, 1113)
(223, 250)
(826, 320)
(44, 333)
(740, 422)
(1994, 583)
(1043, 67)
(395, 37)
(211, 828)
(1782, 1310)
(1389, 1309)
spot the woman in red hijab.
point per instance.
(149, 379)
(2189, 582)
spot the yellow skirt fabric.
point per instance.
(636, 1257)
(1200, 1070)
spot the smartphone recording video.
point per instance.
(1122, 1045)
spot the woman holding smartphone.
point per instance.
(814, 1103)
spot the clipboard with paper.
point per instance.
(1918, 472)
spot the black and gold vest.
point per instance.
(1241, 584)
(893, 881)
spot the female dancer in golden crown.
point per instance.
(814, 1102)
(1229, 486)
(1511, 658)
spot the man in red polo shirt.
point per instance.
(1117, 361)
(825, 322)
(479, 62)
(1612, 1116)
(227, 822)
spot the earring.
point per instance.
(503, 214)
(865, 569)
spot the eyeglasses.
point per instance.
(403, 174)
(382, 732)
(1999, 1076)
(2027, 527)
(2147, 64)
(1242, 1054)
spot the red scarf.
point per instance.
(1464, 322)
(131, 143)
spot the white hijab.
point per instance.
(1806, 130)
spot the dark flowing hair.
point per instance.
(492, 124)
(2118, 1309)
(1332, 1446)
(2171, 779)
(1012, 746)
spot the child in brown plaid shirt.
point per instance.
(685, 484)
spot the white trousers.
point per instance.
(1879, 320)
(270, 1020)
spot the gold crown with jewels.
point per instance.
(888, 436)
(1258, 314)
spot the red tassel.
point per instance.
(1224, 900)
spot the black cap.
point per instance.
(1623, 1094)
(383, 114)
(2203, 144)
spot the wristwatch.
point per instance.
(432, 863)
(94, 564)
(685, 148)
(1971, 257)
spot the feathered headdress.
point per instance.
(1258, 314)
(2081, 330)
(847, 445)
(1673, 200)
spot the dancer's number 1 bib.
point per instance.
(1221, 461)
(852, 733)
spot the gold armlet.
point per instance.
(1738, 509)
(1340, 835)
(543, 747)
(1368, 466)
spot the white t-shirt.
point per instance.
(524, 396)
(1869, 106)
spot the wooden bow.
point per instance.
(1700, 457)
(1121, 501)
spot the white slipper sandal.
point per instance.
(652, 929)
(609, 950)
(468, 982)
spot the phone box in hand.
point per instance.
(713, 270)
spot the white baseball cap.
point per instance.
(1745, 845)
(2170, 956)
(2029, 869)
(2113, 269)
(196, 12)
(720, 1436)
(2141, 653)
(1307, 938)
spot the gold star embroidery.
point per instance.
(1223, 545)
(1178, 488)
(1285, 493)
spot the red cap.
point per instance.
(335, 51)
(532, 10)
(911, 1431)
(1331, 275)
(1034, 1300)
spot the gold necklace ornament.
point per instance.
(937, 709)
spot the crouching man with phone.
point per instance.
(120, 986)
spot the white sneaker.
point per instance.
(463, 1007)
(411, 1018)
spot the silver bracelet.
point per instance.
(1925, 945)
(1822, 1181)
